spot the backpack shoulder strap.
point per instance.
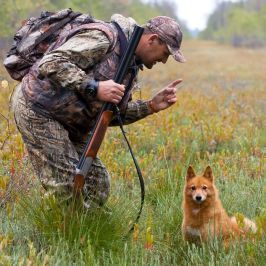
(99, 25)
(122, 38)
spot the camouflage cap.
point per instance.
(169, 32)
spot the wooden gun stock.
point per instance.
(92, 149)
(104, 117)
(98, 136)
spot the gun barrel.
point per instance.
(105, 116)
(128, 55)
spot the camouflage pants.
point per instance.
(54, 156)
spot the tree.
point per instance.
(241, 24)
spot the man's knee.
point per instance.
(97, 183)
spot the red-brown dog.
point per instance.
(203, 214)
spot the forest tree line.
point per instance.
(241, 24)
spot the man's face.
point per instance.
(154, 51)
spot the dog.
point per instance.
(204, 217)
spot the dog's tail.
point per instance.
(244, 224)
(249, 226)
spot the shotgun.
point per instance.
(105, 116)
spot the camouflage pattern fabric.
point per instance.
(54, 156)
(54, 114)
(170, 32)
(61, 93)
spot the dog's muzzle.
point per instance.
(199, 198)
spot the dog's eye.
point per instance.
(204, 187)
(193, 188)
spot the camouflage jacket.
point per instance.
(54, 88)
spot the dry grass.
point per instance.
(219, 120)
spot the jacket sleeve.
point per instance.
(65, 65)
(135, 111)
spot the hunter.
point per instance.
(57, 102)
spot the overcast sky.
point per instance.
(195, 12)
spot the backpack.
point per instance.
(34, 38)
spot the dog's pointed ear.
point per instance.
(208, 173)
(190, 173)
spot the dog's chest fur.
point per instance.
(199, 223)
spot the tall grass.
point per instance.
(219, 120)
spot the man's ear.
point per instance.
(208, 173)
(190, 173)
(153, 37)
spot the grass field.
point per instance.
(219, 120)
